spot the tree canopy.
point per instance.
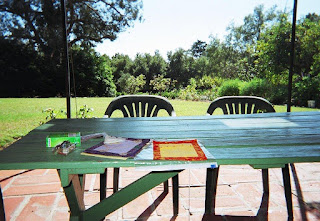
(39, 22)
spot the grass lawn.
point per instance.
(18, 116)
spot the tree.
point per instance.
(93, 75)
(178, 68)
(198, 48)
(38, 22)
(273, 50)
(19, 75)
(120, 64)
(243, 38)
(223, 60)
(157, 66)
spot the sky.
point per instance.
(171, 24)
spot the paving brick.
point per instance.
(32, 189)
(38, 208)
(195, 192)
(138, 206)
(195, 205)
(10, 205)
(91, 198)
(187, 177)
(229, 201)
(8, 173)
(225, 190)
(249, 194)
(62, 203)
(200, 174)
(31, 179)
(61, 215)
(89, 180)
(4, 183)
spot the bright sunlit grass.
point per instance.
(18, 116)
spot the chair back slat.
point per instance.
(140, 106)
(241, 105)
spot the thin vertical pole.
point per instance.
(66, 56)
(293, 37)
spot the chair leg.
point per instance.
(116, 172)
(103, 185)
(211, 190)
(287, 190)
(2, 213)
(265, 180)
(175, 193)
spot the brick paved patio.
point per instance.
(37, 195)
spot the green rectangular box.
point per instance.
(53, 140)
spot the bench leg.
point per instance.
(287, 190)
(211, 190)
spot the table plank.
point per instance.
(232, 139)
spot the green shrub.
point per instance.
(230, 88)
(279, 94)
(308, 88)
(173, 94)
(189, 92)
(208, 82)
(130, 84)
(256, 87)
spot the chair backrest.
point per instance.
(139, 106)
(241, 105)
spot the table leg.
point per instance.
(211, 190)
(2, 213)
(74, 193)
(287, 190)
(175, 190)
(103, 184)
(265, 180)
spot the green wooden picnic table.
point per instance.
(269, 140)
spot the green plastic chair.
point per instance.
(250, 105)
(140, 106)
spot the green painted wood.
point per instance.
(295, 138)
(261, 140)
(71, 195)
(124, 196)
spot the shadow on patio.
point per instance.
(37, 195)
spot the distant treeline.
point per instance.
(253, 59)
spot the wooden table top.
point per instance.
(262, 140)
